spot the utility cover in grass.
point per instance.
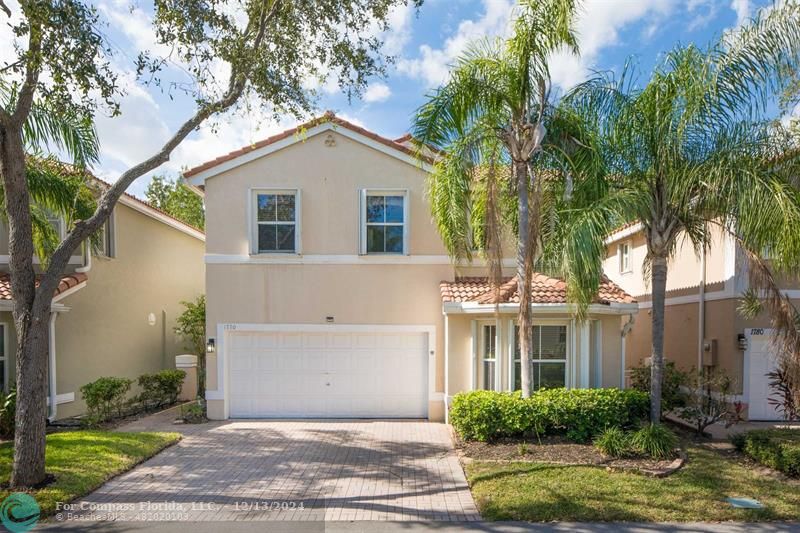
(744, 503)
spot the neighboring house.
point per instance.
(702, 325)
(115, 311)
(330, 293)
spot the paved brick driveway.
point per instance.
(320, 470)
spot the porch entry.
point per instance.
(553, 356)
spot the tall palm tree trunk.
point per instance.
(524, 270)
(658, 273)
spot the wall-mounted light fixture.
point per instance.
(741, 341)
(329, 319)
(211, 345)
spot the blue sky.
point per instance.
(424, 43)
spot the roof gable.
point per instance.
(399, 148)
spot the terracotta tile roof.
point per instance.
(71, 170)
(66, 283)
(104, 184)
(329, 116)
(546, 290)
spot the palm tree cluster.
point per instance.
(691, 153)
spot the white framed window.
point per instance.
(4, 367)
(275, 221)
(490, 369)
(108, 241)
(549, 351)
(384, 221)
(59, 225)
(624, 253)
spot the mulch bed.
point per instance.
(558, 450)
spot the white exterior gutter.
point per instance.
(625, 330)
(701, 311)
(51, 370)
(600, 309)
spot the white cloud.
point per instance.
(598, 27)
(433, 65)
(377, 92)
(742, 9)
(398, 33)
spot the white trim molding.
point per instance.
(624, 233)
(345, 259)
(597, 309)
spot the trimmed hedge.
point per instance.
(579, 413)
(775, 448)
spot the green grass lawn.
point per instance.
(545, 492)
(81, 461)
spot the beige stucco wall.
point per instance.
(684, 267)
(723, 323)
(329, 179)
(106, 330)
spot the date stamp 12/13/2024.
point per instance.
(172, 511)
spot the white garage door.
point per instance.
(334, 374)
(760, 361)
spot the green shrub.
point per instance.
(672, 396)
(738, 440)
(580, 413)
(105, 397)
(8, 413)
(193, 413)
(775, 448)
(584, 413)
(654, 440)
(486, 415)
(613, 442)
(161, 388)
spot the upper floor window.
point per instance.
(275, 221)
(624, 252)
(107, 239)
(59, 225)
(384, 228)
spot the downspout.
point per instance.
(87, 261)
(626, 328)
(446, 367)
(701, 311)
(51, 371)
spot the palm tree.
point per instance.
(489, 124)
(56, 189)
(697, 152)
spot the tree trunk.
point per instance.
(31, 418)
(32, 328)
(201, 376)
(524, 270)
(658, 273)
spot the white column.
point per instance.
(585, 366)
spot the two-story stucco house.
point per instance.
(330, 293)
(702, 325)
(114, 313)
